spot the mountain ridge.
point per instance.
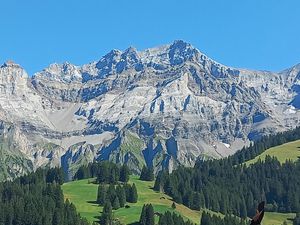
(162, 107)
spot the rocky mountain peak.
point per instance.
(106, 64)
(65, 72)
(10, 63)
(13, 79)
(129, 59)
(292, 75)
(130, 55)
(12, 71)
(181, 51)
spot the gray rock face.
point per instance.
(162, 107)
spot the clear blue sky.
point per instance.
(258, 34)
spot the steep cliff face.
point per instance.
(13, 162)
(162, 107)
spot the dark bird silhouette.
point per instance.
(256, 220)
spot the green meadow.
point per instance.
(273, 218)
(83, 193)
(283, 152)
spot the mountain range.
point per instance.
(163, 107)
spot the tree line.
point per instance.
(235, 189)
(37, 199)
(147, 174)
(148, 217)
(169, 218)
(108, 172)
(117, 196)
(104, 171)
(208, 219)
(264, 143)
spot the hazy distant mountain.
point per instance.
(162, 106)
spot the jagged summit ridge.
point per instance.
(162, 106)
(117, 61)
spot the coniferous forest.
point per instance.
(223, 187)
(208, 219)
(105, 172)
(226, 185)
(264, 143)
(37, 199)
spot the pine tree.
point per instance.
(147, 174)
(57, 217)
(150, 215)
(147, 215)
(103, 173)
(143, 173)
(173, 205)
(169, 218)
(196, 201)
(55, 175)
(162, 220)
(121, 195)
(124, 174)
(80, 174)
(111, 193)
(116, 203)
(158, 184)
(106, 217)
(150, 174)
(143, 216)
(205, 219)
(243, 209)
(133, 194)
(127, 189)
(101, 197)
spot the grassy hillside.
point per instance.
(283, 152)
(83, 194)
(272, 218)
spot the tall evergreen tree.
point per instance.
(55, 175)
(124, 173)
(111, 193)
(133, 194)
(147, 215)
(116, 203)
(147, 174)
(121, 195)
(101, 197)
(106, 217)
(143, 217)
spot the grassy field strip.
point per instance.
(273, 218)
(283, 152)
